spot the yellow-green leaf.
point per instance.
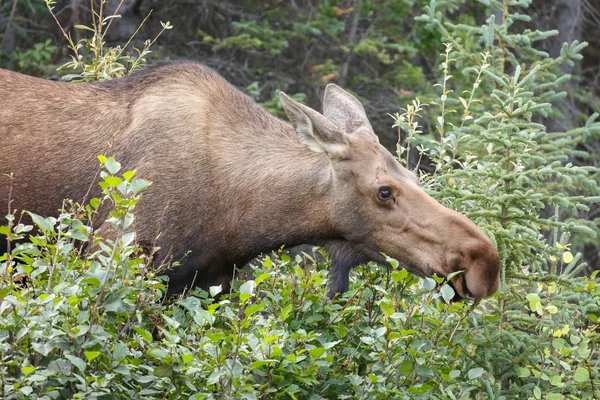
(90, 355)
(581, 375)
(83, 27)
(567, 257)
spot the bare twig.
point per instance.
(11, 17)
(350, 42)
(113, 18)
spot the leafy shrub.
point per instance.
(33, 59)
(90, 60)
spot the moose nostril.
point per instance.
(468, 294)
(461, 289)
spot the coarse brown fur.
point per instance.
(230, 181)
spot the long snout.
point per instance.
(434, 239)
(472, 252)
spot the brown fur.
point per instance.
(235, 180)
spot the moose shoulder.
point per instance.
(231, 181)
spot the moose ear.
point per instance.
(344, 110)
(314, 130)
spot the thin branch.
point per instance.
(350, 42)
(9, 24)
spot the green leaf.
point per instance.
(116, 305)
(424, 371)
(27, 370)
(146, 336)
(285, 313)
(267, 263)
(534, 303)
(171, 322)
(215, 290)
(394, 263)
(581, 375)
(45, 224)
(90, 355)
(475, 373)
(253, 308)
(555, 380)
(94, 202)
(447, 293)
(83, 27)
(261, 278)
(406, 367)
(26, 390)
(399, 275)
(128, 175)
(113, 181)
(120, 351)
(367, 340)
(317, 352)
(387, 307)
(215, 376)
(453, 274)
(163, 371)
(558, 343)
(76, 361)
(137, 185)
(428, 284)
(112, 165)
(454, 374)
(127, 238)
(248, 287)
(4, 292)
(247, 290)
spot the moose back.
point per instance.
(231, 181)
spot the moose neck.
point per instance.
(259, 186)
(287, 191)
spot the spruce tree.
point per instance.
(495, 162)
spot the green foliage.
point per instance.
(19, 48)
(89, 321)
(495, 162)
(90, 60)
(66, 294)
(34, 59)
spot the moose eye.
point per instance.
(385, 193)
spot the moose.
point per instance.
(230, 181)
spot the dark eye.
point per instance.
(385, 193)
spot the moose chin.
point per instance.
(230, 181)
